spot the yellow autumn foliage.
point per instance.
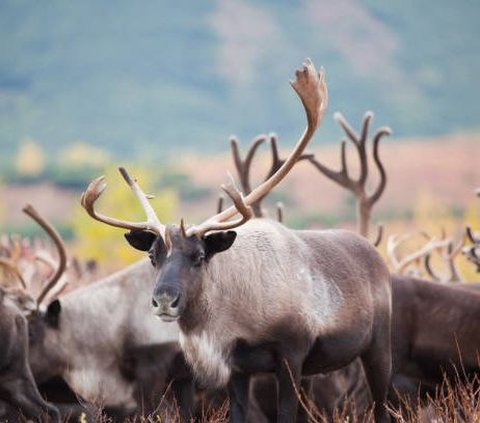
(106, 244)
(30, 159)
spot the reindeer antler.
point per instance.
(57, 240)
(448, 257)
(10, 266)
(95, 190)
(471, 251)
(312, 90)
(243, 165)
(400, 264)
(365, 201)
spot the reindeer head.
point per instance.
(181, 254)
(180, 261)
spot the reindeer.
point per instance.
(17, 385)
(97, 339)
(267, 298)
(434, 326)
(434, 329)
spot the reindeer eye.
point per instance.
(151, 256)
(198, 259)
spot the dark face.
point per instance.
(180, 263)
(39, 325)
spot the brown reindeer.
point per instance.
(267, 298)
(17, 385)
(434, 329)
(433, 326)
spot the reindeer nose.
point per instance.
(166, 302)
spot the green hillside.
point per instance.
(150, 78)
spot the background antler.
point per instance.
(448, 256)
(401, 264)
(365, 201)
(54, 235)
(243, 166)
(312, 90)
(11, 268)
(472, 252)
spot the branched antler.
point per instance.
(312, 90)
(448, 256)
(400, 264)
(365, 201)
(243, 166)
(95, 190)
(472, 252)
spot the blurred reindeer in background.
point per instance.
(17, 385)
(434, 325)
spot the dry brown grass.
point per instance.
(457, 402)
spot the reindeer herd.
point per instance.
(239, 306)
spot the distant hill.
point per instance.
(148, 79)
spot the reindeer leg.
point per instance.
(22, 393)
(307, 395)
(377, 364)
(238, 389)
(289, 374)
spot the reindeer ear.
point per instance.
(141, 240)
(53, 313)
(218, 242)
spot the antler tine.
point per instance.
(429, 268)
(393, 242)
(220, 201)
(449, 260)
(311, 88)
(95, 190)
(379, 237)
(453, 251)
(280, 211)
(57, 240)
(358, 141)
(277, 162)
(471, 235)
(471, 251)
(13, 269)
(243, 167)
(373, 198)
